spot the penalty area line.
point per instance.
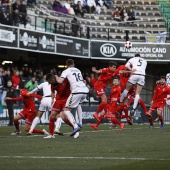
(92, 158)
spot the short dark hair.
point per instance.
(21, 85)
(137, 55)
(115, 77)
(162, 77)
(69, 62)
(49, 76)
(112, 63)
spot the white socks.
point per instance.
(58, 124)
(34, 123)
(79, 114)
(123, 95)
(70, 117)
(136, 101)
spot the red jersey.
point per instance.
(27, 100)
(106, 74)
(115, 94)
(123, 77)
(160, 92)
(63, 90)
(92, 81)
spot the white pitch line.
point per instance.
(92, 158)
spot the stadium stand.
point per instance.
(149, 18)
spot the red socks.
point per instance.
(51, 125)
(150, 120)
(103, 105)
(101, 117)
(16, 123)
(115, 121)
(68, 122)
(36, 131)
(161, 118)
(142, 104)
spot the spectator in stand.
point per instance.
(15, 79)
(92, 5)
(79, 9)
(3, 5)
(131, 15)
(16, 5)
(85, 6)
(16, 18)
(69, 8)
(122, 8)
(23, 12)
(30, 85)
(3, 16)
(133, 9)
(59, 8)
(7, 77)
(116, 15)
(31, 2)
(124, 15)
(11, 92)
(75, 26)
(100, 4)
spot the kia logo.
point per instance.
(108, 50)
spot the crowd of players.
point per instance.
(63, 93)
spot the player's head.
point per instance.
(137, 55)
(115, 81)
(21, 85)
(51, 79)
(162, 80)
(70, 63)
(112, 65)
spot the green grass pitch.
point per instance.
(135, 148)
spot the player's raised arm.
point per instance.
(95, 70)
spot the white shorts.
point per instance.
(168, 101)
(137, 79)
(45, 104)
(74, 100)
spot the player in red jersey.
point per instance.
(106, 75)
(112, 106)
(63, 92)
(29, 111)
(159, 100)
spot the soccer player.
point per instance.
(105, 77)
(124, 76)
(112, 106)
(29, 111)
(158, 101)
(137, 66)
(45, 104)
(78, 91)
(62, 93)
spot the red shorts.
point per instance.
(99, 87)
(59, 105)
(28, 116)
(157, 105)
(112, 108)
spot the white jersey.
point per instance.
(137, 63)
(46, 87)
(75, 79)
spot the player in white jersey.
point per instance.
(78, 91)
(138, 66)
(45, 104)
